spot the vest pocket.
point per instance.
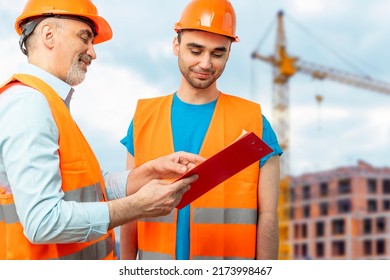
(75, 174)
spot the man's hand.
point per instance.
(156, 198)
(165, 167)
(173, 165)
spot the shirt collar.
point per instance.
(64, 90)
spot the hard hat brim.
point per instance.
(178, 27)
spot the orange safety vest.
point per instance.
(223, 221)
(81, 182)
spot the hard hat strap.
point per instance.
(28, 28)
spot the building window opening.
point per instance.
(380, 224)
(344, 186)
(304, 230)
(367, 247)
(338, 226)
(386, 186)
(306, 192)
(371, 205)
(306, 211)
(367, 228)
(320, 229)
(338, 248)
(386, 204)
(320, 250)
(324, 208)
(371, 185)
(324, 189)
(380, 247)
(344, 206)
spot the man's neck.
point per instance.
(192, 95)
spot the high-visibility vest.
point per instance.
(81, 182)
(223, 221)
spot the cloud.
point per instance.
(377, 13)
(12, 7)
(160, 50)
(340, 136)
(318, 8)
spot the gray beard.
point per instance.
(75, 75)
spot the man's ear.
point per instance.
(48, 35)
(176, 46)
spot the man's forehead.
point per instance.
(205, 39)
(204, 35)
(82, 23)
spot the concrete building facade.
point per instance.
(340, 214)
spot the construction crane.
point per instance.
(284, 67)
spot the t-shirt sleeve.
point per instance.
(269, 137)
(128, 140)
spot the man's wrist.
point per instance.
(145, 171)
(138, 177)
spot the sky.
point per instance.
(350, 124)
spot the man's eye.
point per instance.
(217, 55)
(84, 39)
(195, 52)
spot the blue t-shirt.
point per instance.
(189, 126)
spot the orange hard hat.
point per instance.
(67, 8)
(215, 16)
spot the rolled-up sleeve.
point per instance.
(116, 184)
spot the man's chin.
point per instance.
(74, 80)
(74, 83)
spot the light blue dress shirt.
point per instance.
(29, 168)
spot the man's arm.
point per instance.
(267, 245)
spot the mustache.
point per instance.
(201, 70)
(86, 59)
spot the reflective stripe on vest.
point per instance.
(82, 181)
(153, 256)
(91, 193)
(163, 219)
(223, 221)
(8, 214)
(98, 250)
(224, 216)
(2, 215)
(88, 194)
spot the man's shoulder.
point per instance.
(238, 99)
(153, 100)
(19, 91)
(21, 104)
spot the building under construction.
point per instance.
(340, 214)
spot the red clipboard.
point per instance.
(240, 154)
